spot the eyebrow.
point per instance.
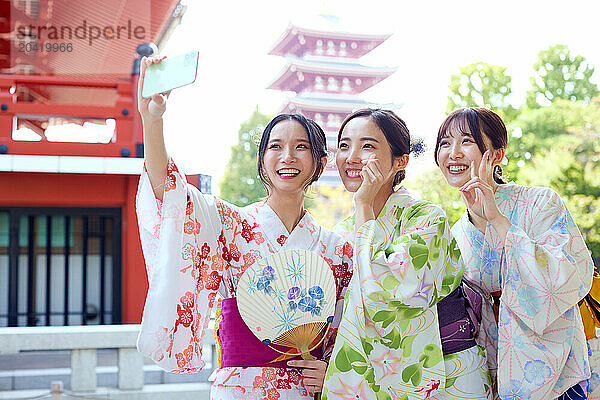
(362, 139)
(298, 140)
(447, 134)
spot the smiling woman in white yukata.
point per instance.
(197, 246)
(408, 327)
(524, 252)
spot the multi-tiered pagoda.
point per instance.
(323, 70)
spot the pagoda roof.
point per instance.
(333, 105)
(293, 40)
(296, 65)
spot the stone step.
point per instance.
(188, 391)
(41, 378)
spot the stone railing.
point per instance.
(83, 342)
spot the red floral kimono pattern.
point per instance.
(196, 246)
(266, 383)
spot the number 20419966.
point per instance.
(44, 47)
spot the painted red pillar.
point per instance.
(7, 101)
(134, 281)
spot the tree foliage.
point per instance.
(579, 182)
(553, 138)
(536, 132)
(240, 184)
(560, 75)
(482, 85)
(559, 147)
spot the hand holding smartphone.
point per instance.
(170, 73)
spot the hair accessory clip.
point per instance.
(417, 147)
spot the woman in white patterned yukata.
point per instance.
(407, 331)
(524, 252)
(197, 246)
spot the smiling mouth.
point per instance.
(353, 173)
(288, 173)
(457, 169)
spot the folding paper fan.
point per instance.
(288, 300)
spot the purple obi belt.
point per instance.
(239, 346)
(459, 315)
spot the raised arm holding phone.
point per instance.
(197, 246)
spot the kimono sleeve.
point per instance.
(341, 266)
(178, 236)
(416, 262)
(548, 266)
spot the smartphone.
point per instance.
(170, 73)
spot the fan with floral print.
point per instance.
(288, 301)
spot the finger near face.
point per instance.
(142, 75)
(478, 195)
(470, 187)
(363, 141)
(469, 182)
(468, 198)
(484, 164)
(472, 168)
(489, 165)
(479, 185)
(375, 166)
(367, 175)
(372, 170)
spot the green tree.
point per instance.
(553, 139)
(482, 85)
(542, 134)
(560, 75)
(240, 184)
(558, 146)
(579, 182)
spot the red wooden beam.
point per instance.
(70, 110)
(64, 81)
(63, 190)
(68, 148)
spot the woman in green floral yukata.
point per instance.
(409, 325)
